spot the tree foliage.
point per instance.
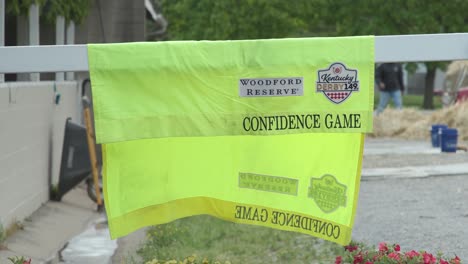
(380, 17)
(21, 7)
(71, 10)
(250, 19)
(236, 19)
(239, 19)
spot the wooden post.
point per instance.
(92, 154)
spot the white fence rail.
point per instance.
(397, 48)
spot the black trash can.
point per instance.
(75, 165)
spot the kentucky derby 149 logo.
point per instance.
(337, 82)
(327, 193)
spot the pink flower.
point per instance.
(338, 260)
(455, 260)
(351, 248)
(27, 261)
(429, 258)
(357, 259)
(390, 253)
(383, 247)
(394, 256)
(411, 254)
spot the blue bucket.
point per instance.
(435, 137)
(448, 139)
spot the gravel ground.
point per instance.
(402, 160)
(389, 153)
(419, 213)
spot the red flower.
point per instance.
(27, 261)
(358, 259)
(351, 248)
(455, 260)
(383, 247)
(411, 254)
(394, 256)
(338, 260)
(389, 253)
(429, 258)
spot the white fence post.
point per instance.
(70, 41)
(60, 40)
(2, 31)
(34, 34)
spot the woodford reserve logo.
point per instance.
(263, 87)
(327, 193)
(337, 82)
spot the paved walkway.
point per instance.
(54, 225)
(48, 229)
(384, 158)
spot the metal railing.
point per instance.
(396, 48)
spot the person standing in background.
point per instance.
(389, 78)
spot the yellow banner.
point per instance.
(263, 132)
(234, 212)
(221, 88)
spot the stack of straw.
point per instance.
(411, 123)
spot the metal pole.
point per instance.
(2, 31)
(60, 40)
(34, 34)
(69, 76)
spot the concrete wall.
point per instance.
(31, 139)
(32, 125)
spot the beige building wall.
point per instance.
(31, 139)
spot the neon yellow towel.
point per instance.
(263, 132)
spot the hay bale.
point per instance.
(453, 75)
(454, 67)
(395, 123)
(410, 123)
(454, 116)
